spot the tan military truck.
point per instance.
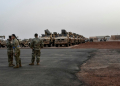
(24, 43)
(79, 39)
(76, 38)
(2, 42)
(82, 39)
(55, 34)
(62, 39)
(30, 39)
(72, 38)
(47, 38)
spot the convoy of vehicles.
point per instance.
(68, 39)
(49, 39)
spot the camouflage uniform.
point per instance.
(16, 49)
(36, 44)
(10, 52)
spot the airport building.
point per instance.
(98, 38)
(115, 37)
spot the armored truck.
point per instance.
(2, 42)
(54, 35)
(72, 38)
(76, 38)
(24, 43)
(62, 39)
(47, 38)
(83, 39)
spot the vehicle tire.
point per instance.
(60, 45)
(44, 45)
(3, 46)
(56, 45)
(53, 44)
(49, 45)
(67, 45)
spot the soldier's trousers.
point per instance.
(17, 56)
(10, 56)
(36, 53)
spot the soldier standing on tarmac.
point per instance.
(10, 52)
(35, 45)
(16, 48)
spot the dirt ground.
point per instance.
(99, 45)
(103, 69)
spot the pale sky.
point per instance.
(85, 17)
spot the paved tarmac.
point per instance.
(57, 68)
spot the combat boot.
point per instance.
(38, 64)
(38, 60)
(31, 64)
(10, 65)
(13, 65)
(20, 65)
(17, 66)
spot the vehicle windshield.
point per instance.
(71, 36)
(61, 35)
(45, 35)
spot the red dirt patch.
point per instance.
(99, 45)
(103, 69)
(102, 77)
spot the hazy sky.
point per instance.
(85, 17)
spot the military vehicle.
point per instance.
(79, 39)
(30, 39)
(24, 42)
(2, 41)
(91, 40)
(55, 34)
(83, 39)
(104, 39)
(76, 38)
(72, 38)
(47, 38)
(62, 39)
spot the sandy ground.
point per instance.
(99, 45)
(103, 69)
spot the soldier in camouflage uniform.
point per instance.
(16, 49)
(35, 45)
(10, 52)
